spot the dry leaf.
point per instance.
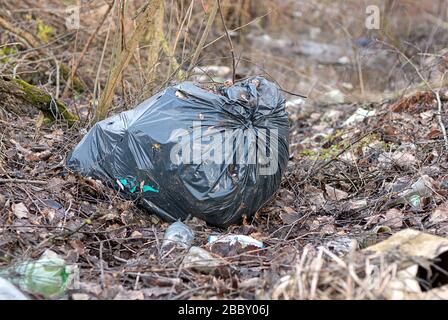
(136, 234)
(78, 245)
(335, 194)
(328, 229)
(393, 218)
(49, 213)
(289, 215)
(357, 204)
(404, 159)
(440, 214)
(130, 295)
(38, 156)
(433, 134)
(20, 210)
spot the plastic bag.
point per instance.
(186, 151)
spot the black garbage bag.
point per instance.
(218, 156)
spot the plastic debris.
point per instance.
(359, 116)
(295, 102)
(178, 234)
(49, 276)
(243, 240)
(423, 187)
(9, 292)
(188, 150)
(201, 260)
(423, 265)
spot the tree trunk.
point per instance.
(20, 97)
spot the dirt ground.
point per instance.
(351, 163)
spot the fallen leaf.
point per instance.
(249, 283)
(404, 159)
(136, 234)
(328, 229)
(130, 295)
(289, 215)
(315, 197)
(20, 210)
(393, 218)
(335, 194)
(78, 245)
(440, 214)
(38, 156)
(49, 213)
(357, 204)
(433, 134)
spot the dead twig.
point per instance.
(84, 50)
(232, 50)
(144, 20)
(208, 26)
(12, 180)
(439, 117)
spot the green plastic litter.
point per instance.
(47, 276)
(415, 200)
(149, 188)
(125, 183)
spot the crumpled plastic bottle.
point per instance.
(9, 292)
(178, 234)
(421, 188)
(48, 276)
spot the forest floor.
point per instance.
(343, 180)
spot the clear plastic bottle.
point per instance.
(178, 234)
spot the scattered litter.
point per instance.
(423, 265)
(243, 240)
(359, 116)
(9, 292)
(344, 60)
(295, 102)
(178, 234)
(171, 153)
(201, 260)
(423, 187)
(48, 276)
